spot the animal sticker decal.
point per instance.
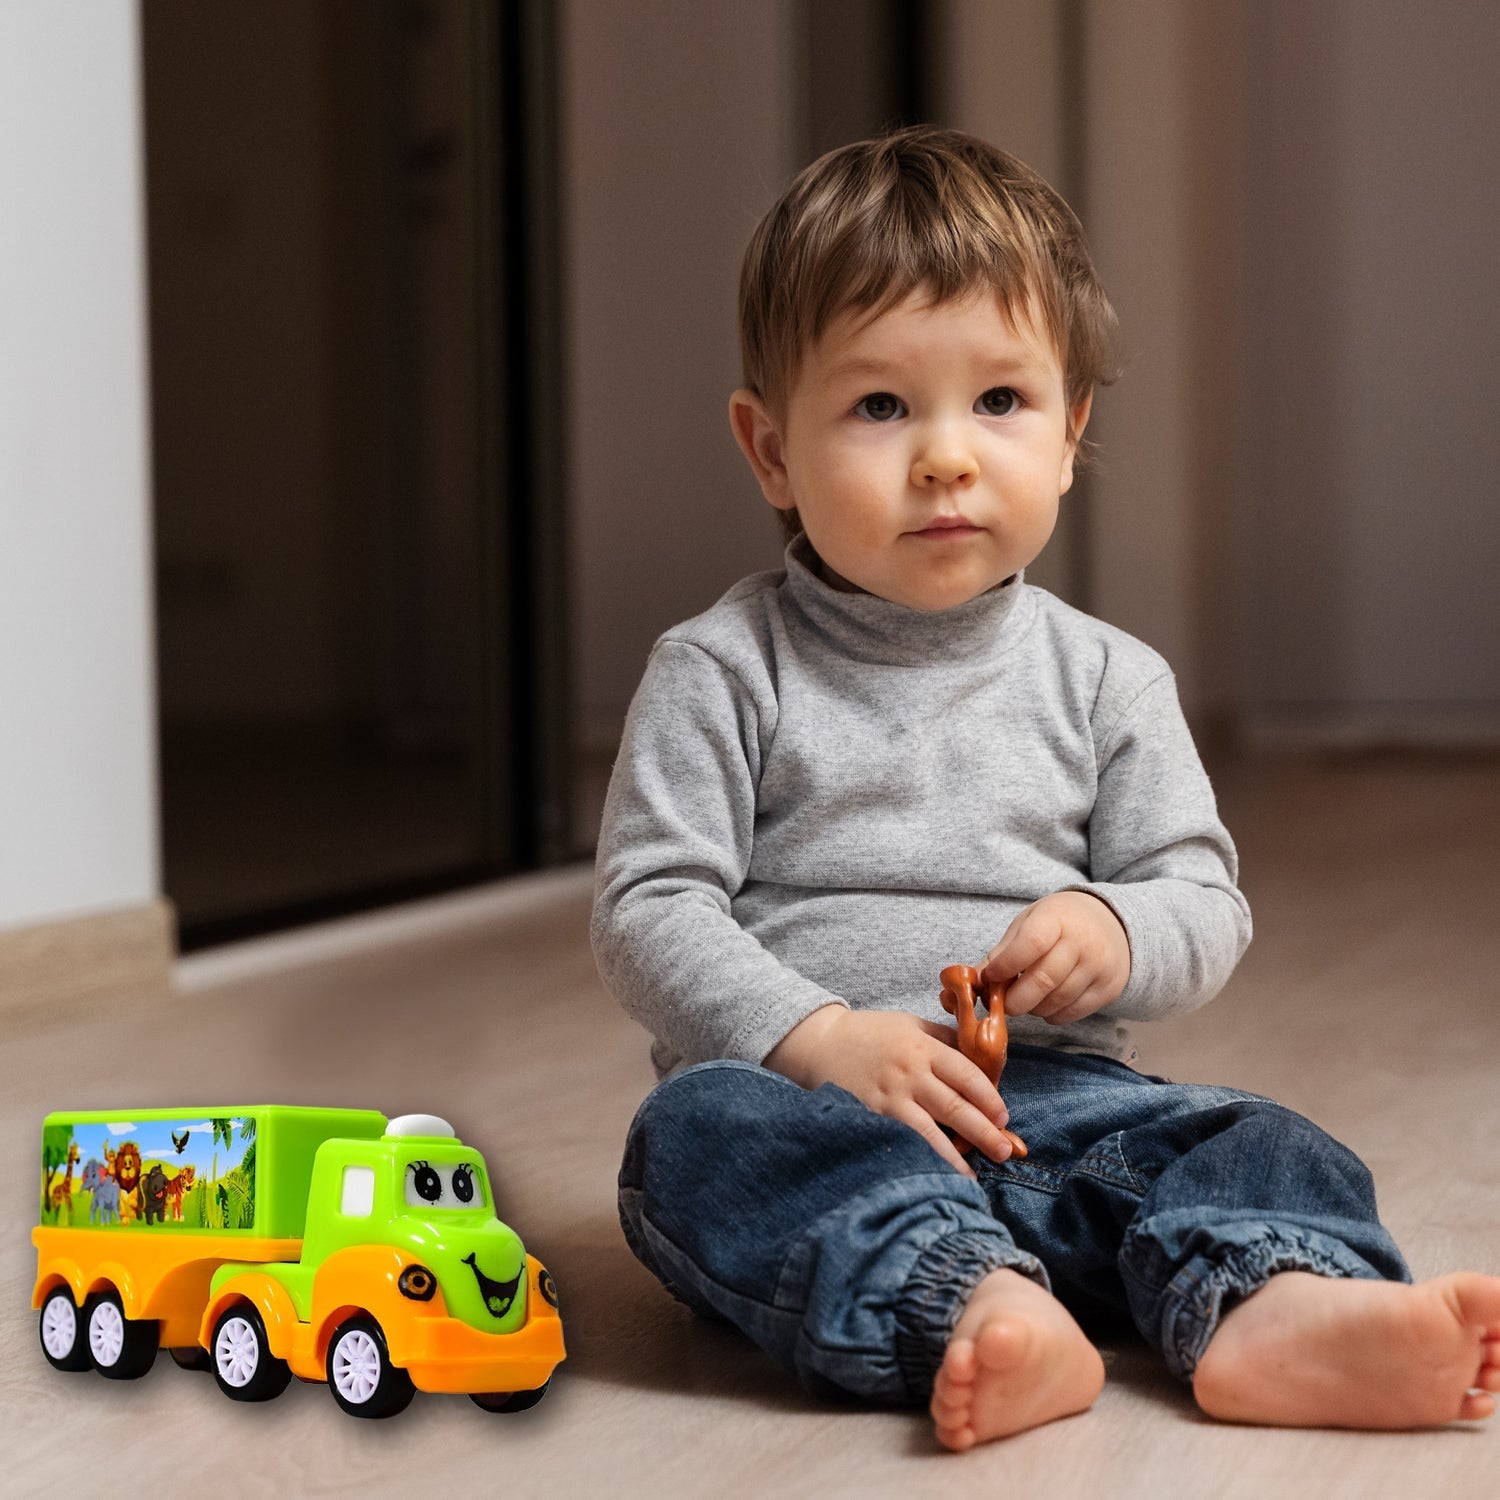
(103, 1191)
(156, 1175)
(128, 1175)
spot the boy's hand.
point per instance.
(902, 1066)
(1072, 956)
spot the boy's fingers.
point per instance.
(1040, 978)
(1033, 934)
(1010, 932)
(1065, 991)
(926, 1127)
(967, 1080)
(1092, 999)
(973, 1125)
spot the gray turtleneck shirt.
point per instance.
(824, 797)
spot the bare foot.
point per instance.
(1016, 1359)
(1312, 1351)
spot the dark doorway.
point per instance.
(353, 335)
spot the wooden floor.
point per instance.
(1369, 1000)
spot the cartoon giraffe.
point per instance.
(984, 1042)
(62, 1192)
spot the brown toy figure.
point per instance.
(984, 1042)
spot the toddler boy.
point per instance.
(895, 754)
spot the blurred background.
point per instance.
(363, 370)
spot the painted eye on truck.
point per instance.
(428, 1184)
(463, 1184)
(418, 1283)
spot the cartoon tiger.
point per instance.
(176, 1188)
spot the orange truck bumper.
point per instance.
(444, 1354)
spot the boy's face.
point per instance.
(925, 450)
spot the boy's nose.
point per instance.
(943, 459)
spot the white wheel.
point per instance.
(106, 1334)
(356, 1366)
(361, 1376)
(241, 1356)
(60, 1327)
(236, 1352)
(64, 1341)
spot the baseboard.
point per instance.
(515, 899)
(111, 956)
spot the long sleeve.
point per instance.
(1162, 860)
(674, 848)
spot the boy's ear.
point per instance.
(1080, 415)
(759, 438)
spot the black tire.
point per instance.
(361, 1376)
(191, 1359)
(120, 1348)
(509, 1401)
(241, 1359)
(65, 1349)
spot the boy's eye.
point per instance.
(879, 406)
(1000, 401)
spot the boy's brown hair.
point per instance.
(868, 224)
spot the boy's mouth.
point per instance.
(947, 528)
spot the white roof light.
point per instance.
(419, 1125)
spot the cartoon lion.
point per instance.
(128, 1175)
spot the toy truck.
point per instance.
(267, 1242)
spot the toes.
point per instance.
(1488, 1378)
(959, 1439)
(949, 1411)
(1478, 1300)
(959, 1367)
(1476, 1407)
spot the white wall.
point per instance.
(77, 754)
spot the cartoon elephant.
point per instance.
(104, 1193)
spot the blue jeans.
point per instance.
(843, 1245)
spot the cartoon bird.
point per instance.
(180, 1141)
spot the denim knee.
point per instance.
(691, 1103)
(1272, 1192)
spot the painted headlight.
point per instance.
(418, 1283)
(547, 1286)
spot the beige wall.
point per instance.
(1294, 207)
(1006, 80)
(1371, 544)
(678, 118)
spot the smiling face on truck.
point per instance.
(446, 1219)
